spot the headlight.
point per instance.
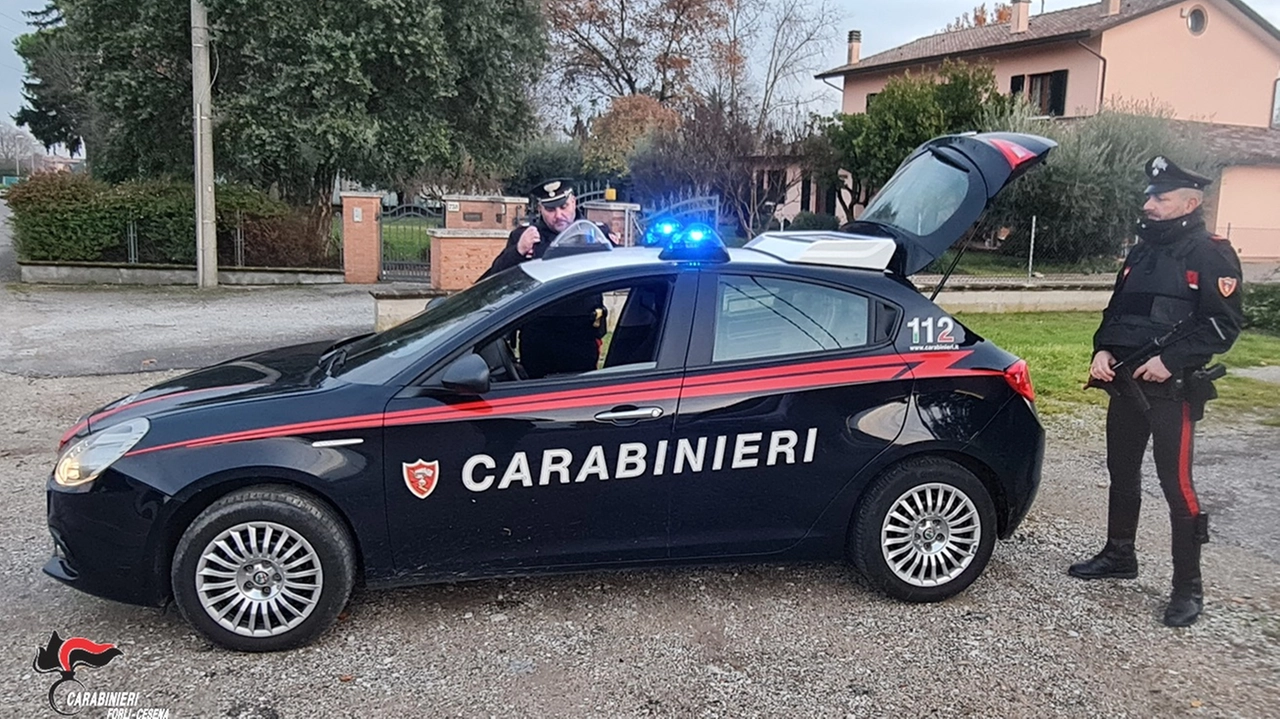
(83, 461)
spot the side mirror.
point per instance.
(468, 374)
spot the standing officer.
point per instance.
(557, 209)
(1178, 271)
(565, 337)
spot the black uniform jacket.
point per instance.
(1188, 274)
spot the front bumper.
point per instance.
(107, 540)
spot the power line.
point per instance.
(24, 23)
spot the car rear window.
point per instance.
(921, 197)
(766, 317)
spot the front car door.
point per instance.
(794, 387)
(548, 471)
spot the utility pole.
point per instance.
(201, 101)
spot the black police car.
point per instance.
(795, 399)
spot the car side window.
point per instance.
(767, 317)
(607, 330)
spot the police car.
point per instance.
(795, 399)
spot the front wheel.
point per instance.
(263, 569)
(923, 531)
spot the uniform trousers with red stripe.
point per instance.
(1170, 425)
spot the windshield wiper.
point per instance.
(333, 361)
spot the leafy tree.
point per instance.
(57, 108)
(543, 159)
(375, 90)
(616, 134)
(633, 47)
(1088, 194)
(860, 152)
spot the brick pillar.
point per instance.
(459, 257)
(615, 214)
(361, 237)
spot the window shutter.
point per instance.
(1016, 84)
(1058, 93)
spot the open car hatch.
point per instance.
(941, 190)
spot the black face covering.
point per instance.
(1164, 232)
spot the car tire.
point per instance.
(263, 569)
(923, 531)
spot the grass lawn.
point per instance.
(1059, 345)
(406, 238)
(977, 263)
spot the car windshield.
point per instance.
(921, 197)
(378, 358)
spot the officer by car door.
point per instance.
(774, 389)
(549, 471)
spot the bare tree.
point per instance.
(765, 54)
(16, 145)
(796, 34)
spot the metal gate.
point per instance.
(406, 242)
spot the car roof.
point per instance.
(626, 257)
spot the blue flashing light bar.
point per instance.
(696, 243)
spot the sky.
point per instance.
(884, 24)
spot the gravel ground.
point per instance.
(1025, 640)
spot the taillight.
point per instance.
(1019, 378)
(1013, 152)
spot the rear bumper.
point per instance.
(1012, 445)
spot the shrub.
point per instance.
(1088, 195)
(1262, 308)
(62, 217)
(813, 221)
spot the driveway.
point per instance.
(69, 331)
(1026, 640)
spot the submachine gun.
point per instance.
(1125, 384)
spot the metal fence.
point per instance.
(288, 241)
(1018, 253)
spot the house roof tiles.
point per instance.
(1084, 21)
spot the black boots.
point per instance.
(1117, 560)
(1187, 599)
(1185, 604)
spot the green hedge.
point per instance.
(64, 217)
(813, 221)
(1262, 307)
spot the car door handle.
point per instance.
(629, 414)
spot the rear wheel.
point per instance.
(263, 569)
(924, 530)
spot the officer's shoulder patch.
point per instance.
(1227, 285)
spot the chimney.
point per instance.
(855, 46)
(1112, 7)
(1021, 16)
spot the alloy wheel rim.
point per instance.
(259, 579)
(930, 535)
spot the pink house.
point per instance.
(1213, 62)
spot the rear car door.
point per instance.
(547, 471)
(793, 385)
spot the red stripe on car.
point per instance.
(813, 375)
